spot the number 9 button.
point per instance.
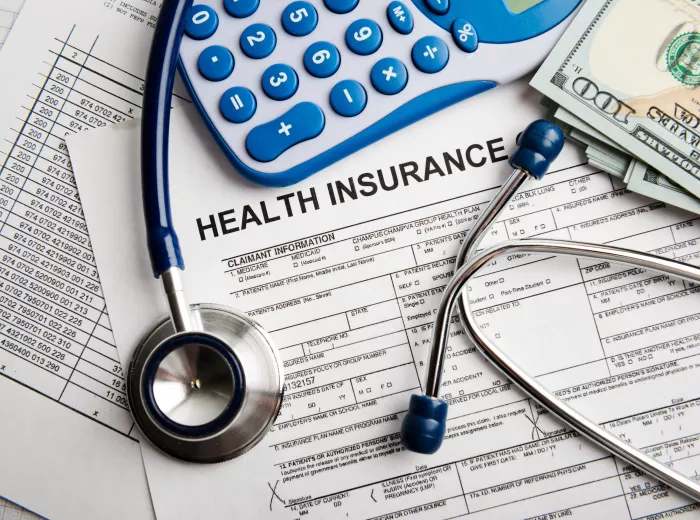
(363, 37)
(299, 18)
(258, 41)
(280, 82)
(322, 59)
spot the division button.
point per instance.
(299, 18)
(258, 41)
(464, 34)
(363, 37)
(215, 63)
(389, 76)
(400, 17)
(341, 6)
(202, 22)
(322, 59)
(430, 54)
(241, 8)
(280, 82)
(438, 6)
(302, 122)
(238, 104)
(348, 98)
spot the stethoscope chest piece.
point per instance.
(208, 395)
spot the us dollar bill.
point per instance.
(630, 69)
(647, 181)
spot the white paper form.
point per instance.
(9, 9)
(349, 288)
(69, 66)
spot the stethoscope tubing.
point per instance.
(471, 263)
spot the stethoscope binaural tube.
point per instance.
(206, 384)
(424, 425)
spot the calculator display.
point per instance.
(518, 6)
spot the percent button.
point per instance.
(464, 34)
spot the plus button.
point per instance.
(284, 129)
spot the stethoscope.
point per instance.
(206, 384)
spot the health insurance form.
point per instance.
(348, 285)
(67, 450)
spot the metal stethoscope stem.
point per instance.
(425, 423)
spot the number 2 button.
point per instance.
(258, 41)
(280, 82)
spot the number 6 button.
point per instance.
(280, 82)
(322, 59)
(258, 41)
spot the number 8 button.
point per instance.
(363, 37)
(322, 59)
(258, 41)
(280, 82)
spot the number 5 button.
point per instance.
(280, 82)
(258, 41)
(299, 18)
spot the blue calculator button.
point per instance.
(438, 6)
(202, 22)
(464, 34)
(241, 8)
(258, 41)
(430, 54)
(400, 17)
(302, 122)
(215, 63)
(363, 37)
(299, 18)
(389, 76)
(348, 98)
(238, 104)
(341, 6)
(322, 59)
(280, 82)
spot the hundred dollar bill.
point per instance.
(630, 69)
(647, 181)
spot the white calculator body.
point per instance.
(288, 88)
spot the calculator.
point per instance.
(289, 88)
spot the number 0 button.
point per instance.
(258, 41)
(280, 82)
(202, 23)
(299, 18)
(363, 37)
(322, 59)
(348, 98)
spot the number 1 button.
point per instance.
(348, 98)
(258, 41)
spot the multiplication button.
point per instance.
(430, 54)
(389, 76)
(238, 104)
(302, 122)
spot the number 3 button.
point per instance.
(280, 82)
(322, 59)
(258, 41)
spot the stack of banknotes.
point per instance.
(622, 82)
